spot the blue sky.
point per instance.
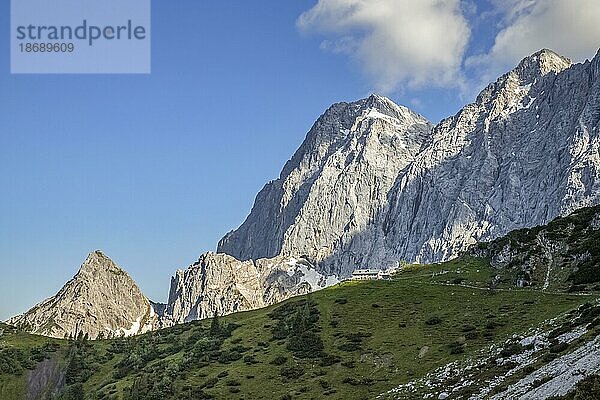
(154, 169)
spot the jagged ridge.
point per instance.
(523, 153)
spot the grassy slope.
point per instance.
(430, 309)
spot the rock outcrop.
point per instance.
(563, 254)
(524, 153)
(101, 300)
(219, 284)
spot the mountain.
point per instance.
(524, 153)
(218, 284)
(335, 184)
(101, 300)
(374, 183)
(449, 330)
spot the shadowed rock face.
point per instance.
(101, 299)
(373, 183)
(46, 380)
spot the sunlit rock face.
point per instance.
(101, 300)
(218, 284)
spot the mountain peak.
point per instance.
(380, 106)
(97, 261)
(101, 299)
(542, 62)
(376, 99)
(96, 255)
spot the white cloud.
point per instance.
(569, 27)
(396, 42)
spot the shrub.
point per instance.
(558, 347)
(559, 331)
(539, 382)
(329, 359)
(549, 357)
(357, 337)
(292, 371)
(279, 360)
(457, 347)
(210, 383)
(250, 359)
(471, 335)
(324, 384)
(357, 381)
(576, 288)
(306, 345)
(350, 346)
(511, 349)
(434, 320)
(588, 388)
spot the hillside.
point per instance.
(353, 340)
(508, 318)
(565, 254)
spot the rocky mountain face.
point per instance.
(101, 300)
(219, 284)
(525, 152)
(335, 185)
(374, 183)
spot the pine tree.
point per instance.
(215, 325)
